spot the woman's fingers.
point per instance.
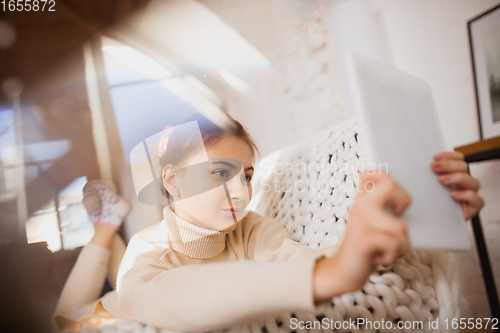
(381, 190)
(449, 166)
(451, 155)
(461, 179)
(393, 227)
(452, 170)
(383, 222)
(471, 202)
(386, 248)
(388, 237)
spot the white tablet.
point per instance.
(398, 130)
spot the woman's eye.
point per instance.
(247, 178)
(221, 173)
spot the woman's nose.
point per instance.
(237, 188)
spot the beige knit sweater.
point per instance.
(179, 276)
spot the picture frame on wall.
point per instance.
(484, 41)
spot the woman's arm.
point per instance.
(88, 275)
(269, 241)
(199, 298)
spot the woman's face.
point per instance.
(224, 184)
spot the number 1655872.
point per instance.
(28, 5)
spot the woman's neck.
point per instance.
(179, 210)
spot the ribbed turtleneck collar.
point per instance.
(187, 238)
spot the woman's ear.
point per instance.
(170, 180)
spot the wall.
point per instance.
(302, 95)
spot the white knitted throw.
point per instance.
(310, 192)
(310, 189)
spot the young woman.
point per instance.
(212, 264)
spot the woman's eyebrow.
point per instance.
(232, 166)
(225, 163)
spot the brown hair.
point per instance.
(177, 145)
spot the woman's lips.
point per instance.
(230, 212)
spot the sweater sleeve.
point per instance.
(199, 298)
(269, 241)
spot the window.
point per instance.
(66, 227)
(63, 223)
(148, 95)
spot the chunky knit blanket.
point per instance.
(309, 187)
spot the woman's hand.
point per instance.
(453, 170)
(373, 236)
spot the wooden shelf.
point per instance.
(482, 150)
